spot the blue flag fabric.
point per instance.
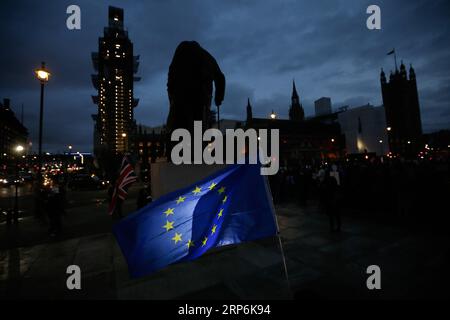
(231, 206)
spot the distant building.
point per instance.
(401, 103)
(151, 147)
(364, 129)
(322, 106)
(301, 141)
(12, 131)
(116, 66)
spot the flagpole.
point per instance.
(266, 183)
(395, 59)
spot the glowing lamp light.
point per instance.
(19, 149)
(124, 134)
(42, 73)
(388, 128)
(273, 115)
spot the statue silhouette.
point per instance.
(189, 86)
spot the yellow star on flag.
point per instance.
(197, 190)
(213, 230)
(169, 211)
(212, 186)
(168, 225)
(225, 199)
(221, 190)
(190, 244)
(177, 237)
(220, 213)
(180, 199)
(204, 241)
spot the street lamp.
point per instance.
(66, 163)
(18, 149)
(381, 147)
(43, 76)
(273, 115)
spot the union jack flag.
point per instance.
(126, 178)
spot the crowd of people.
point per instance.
(391, 187)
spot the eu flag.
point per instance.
(231, 206)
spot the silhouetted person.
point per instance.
(329, 201)
(189, 86)
(54, 206)
(144, 197)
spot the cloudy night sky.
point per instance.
(260, 46)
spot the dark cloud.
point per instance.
(260, 45)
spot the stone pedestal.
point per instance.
(167, 177)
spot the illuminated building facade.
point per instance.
(12, 131)
(116, 66)
(302, 141)
(364, 128)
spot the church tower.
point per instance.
(296, 112)
(401, 103)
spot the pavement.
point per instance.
(414, 258)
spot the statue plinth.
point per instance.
(167, 177)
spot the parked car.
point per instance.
(4, 181)
(27, 177)
(86, 182)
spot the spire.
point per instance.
(249, 111)
(412, 73)
(296, 111)
(294, 91)
(382, 76)
(402, 70)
